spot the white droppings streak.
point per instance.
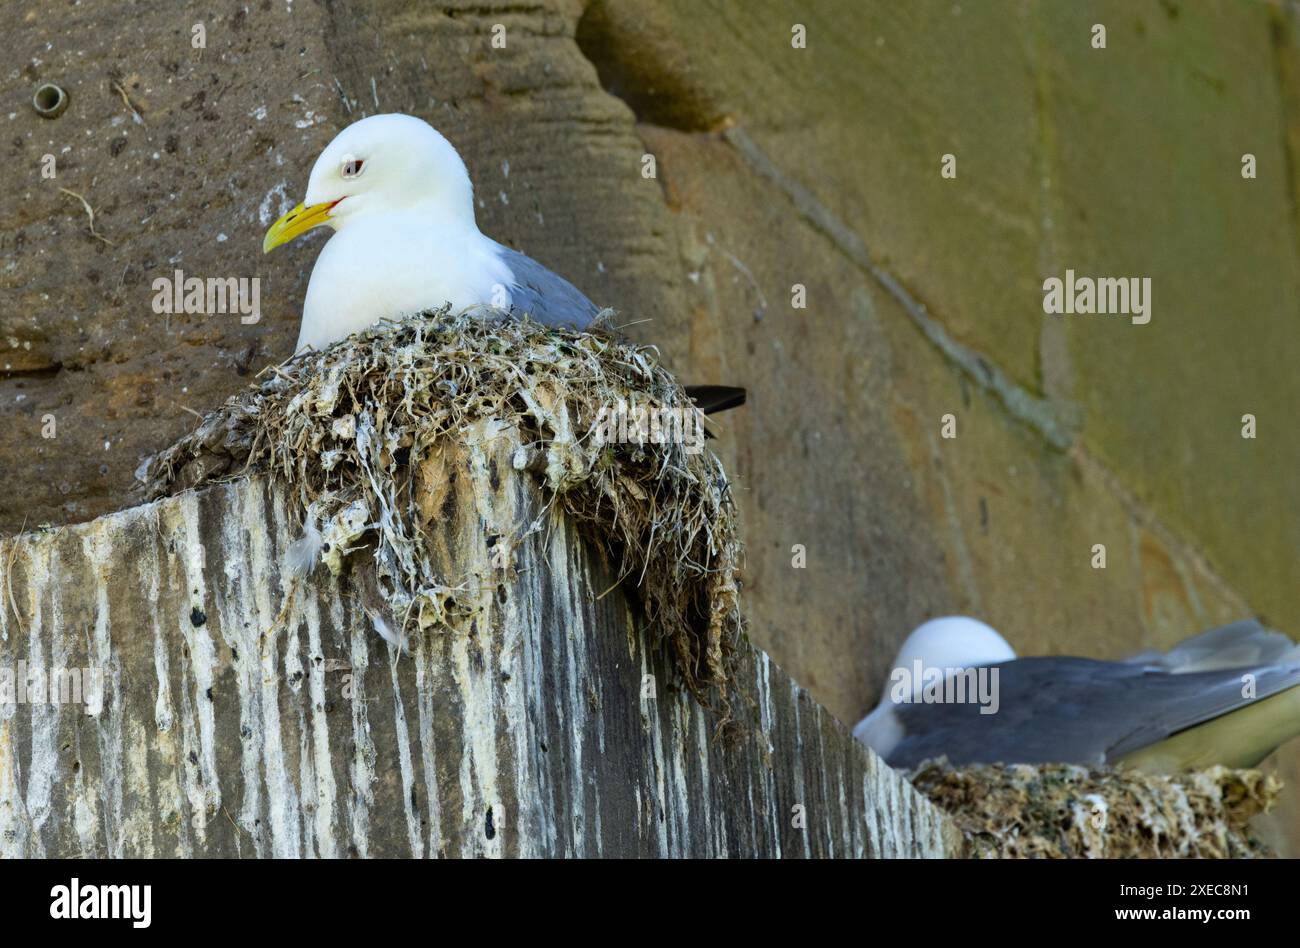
(235, 622)
(362, 765)
(428, 754)
(98, 549)
(13, 811)
(650, 726)
(705, 788)
(404, 768)
(40, 561)
(478, 762)
(576, 698)
(766, 721)
(680, 807)
(169, 762)
(325, 792)
(204, 790)
(282, 795)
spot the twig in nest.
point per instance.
(90, 212)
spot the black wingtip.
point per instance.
(715, 398)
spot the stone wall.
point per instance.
(243, 712)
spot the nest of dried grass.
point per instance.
(347, 428)
(1062, 810)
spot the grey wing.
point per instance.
(1235, 645)
(546, 296)
(1075, 710)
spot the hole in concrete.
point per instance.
(49, 101)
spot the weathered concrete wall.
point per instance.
(775, 167)
(239, 718)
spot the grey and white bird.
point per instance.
(1227, 696)
(401, 204)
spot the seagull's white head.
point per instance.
(954, 642)
(381, 163)
(949, 642)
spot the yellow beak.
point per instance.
(296, 223)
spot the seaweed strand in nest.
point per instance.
(346, 429)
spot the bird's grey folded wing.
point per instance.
(1076, 710)
(545, 295)
(1235, 645)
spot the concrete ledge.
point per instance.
(239, 720)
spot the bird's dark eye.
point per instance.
(352, 167)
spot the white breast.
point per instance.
(392, 265)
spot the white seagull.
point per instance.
(401, 205)
(1227, 696)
